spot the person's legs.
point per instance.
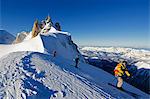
(120, 82)
(76, 65)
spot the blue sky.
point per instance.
(91, 22)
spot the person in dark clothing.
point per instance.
(54, 53)
(57, 26)
(77, 62)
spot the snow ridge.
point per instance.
(28, 69)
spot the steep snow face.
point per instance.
(5, 37)
(26, 75)
(62, 44)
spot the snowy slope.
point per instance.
(26, 75)
(36, 75)
(138, 61)
(28, 70)
(34, 44)
(49, 42)
(5, 37)
(46, 43)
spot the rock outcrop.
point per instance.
(43, 27)
(20, 37)
(35, 29)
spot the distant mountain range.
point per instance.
(6, 37)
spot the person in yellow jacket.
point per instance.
(119, 71)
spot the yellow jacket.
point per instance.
(120, 70)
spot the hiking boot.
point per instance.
(120, 88)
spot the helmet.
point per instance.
(124, 62)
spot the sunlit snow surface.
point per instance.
(29, 70)
(37, 75)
